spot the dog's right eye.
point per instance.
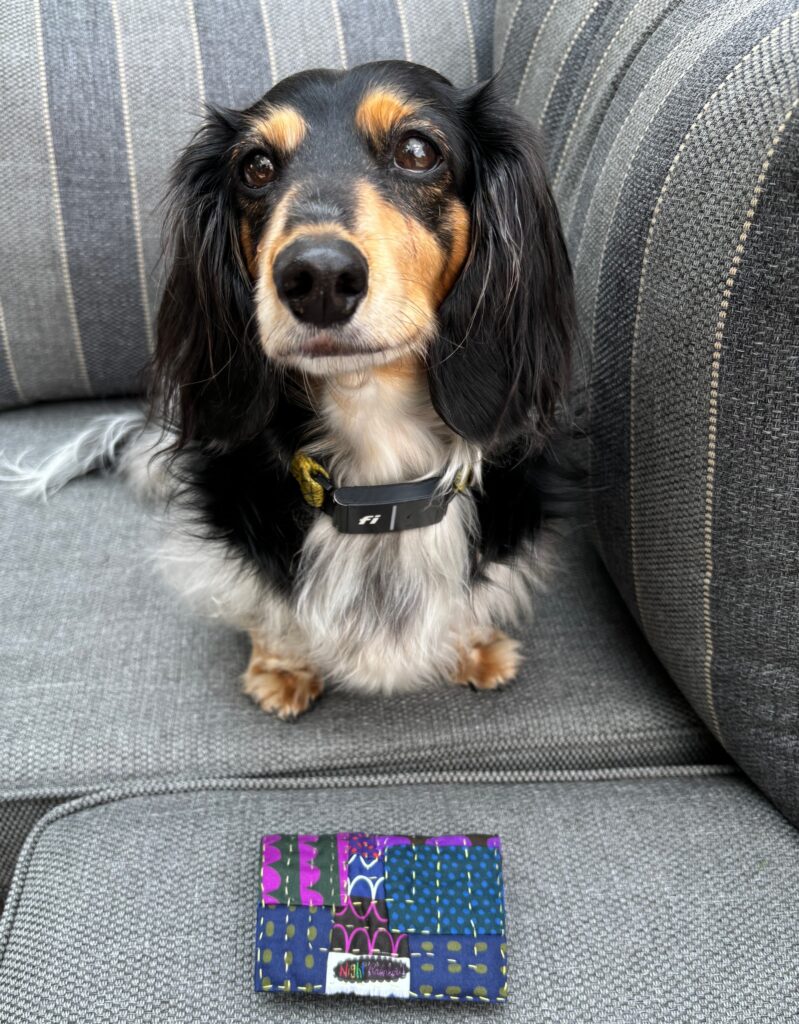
(257, 170)
(416, 153)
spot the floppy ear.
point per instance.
(501, 359)
(211, 378)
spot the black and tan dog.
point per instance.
(368, 287)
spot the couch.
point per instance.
(644, 769)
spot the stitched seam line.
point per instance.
(587, 93)
(55, 191)
(9, 357)
(622, 132)
(467, 19)
(198, 54)
(564, 60)
(342, 46)
(681, 149)
(533, 48)
(270, 42)
(406, 36)
(508, 30)
(115, 795)
(132, 179)
(718, 340)
(611, 742)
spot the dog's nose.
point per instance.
(321, 279)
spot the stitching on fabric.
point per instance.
(467, 17)
(718, 339)
(533, 48)
(9, 357)
(135, 211)
(542, 115)
(681, 149)
(270, 42)
(508, 30)
(621, 133)
(102, 798)
(198, 55)
(367, 776)
(469, 890)
(342, 46)
(587, 93)
(55, 190)
(406, 36)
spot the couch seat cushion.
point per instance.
(639, 900)
(106, 677)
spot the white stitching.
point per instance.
(195, 42)
(533, 48)
(270, 42)
(56, 194)
(642, 279)
(342, 46)
(135, 212)
(718, 339)
(9, 357)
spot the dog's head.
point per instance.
(350, 219)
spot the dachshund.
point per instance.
(362, 350)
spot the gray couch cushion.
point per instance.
(662, 900)
(106, 677)
(97, 101)
(673, 139)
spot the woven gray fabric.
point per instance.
(17, 818)
(97, 100)
(660, 901)
(671, 134)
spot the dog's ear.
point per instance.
(211, 379)
(501, 358)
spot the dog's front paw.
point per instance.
(489, 662)
(280, 686)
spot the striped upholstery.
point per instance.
(672, 141)
(97, 99)
(672, 137)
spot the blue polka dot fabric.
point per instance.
(394, 916)
(445, 890)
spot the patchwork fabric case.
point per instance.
(409, 917)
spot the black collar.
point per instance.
(383, 508)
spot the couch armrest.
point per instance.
(673, 142)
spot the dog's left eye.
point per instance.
(414, 153)
(257, 169)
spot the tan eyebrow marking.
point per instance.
(379, 111)
(284, 128)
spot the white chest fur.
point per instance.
(385, 611)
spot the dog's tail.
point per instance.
(104, 446)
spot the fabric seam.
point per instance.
(595, 740)
(160, 788)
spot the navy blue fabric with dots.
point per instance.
(452, 890)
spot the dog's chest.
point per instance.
(399, 589)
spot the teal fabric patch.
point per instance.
(450, 890)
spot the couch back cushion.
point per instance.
(97, 99)
(672, 133)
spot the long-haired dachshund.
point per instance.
(361, 349)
